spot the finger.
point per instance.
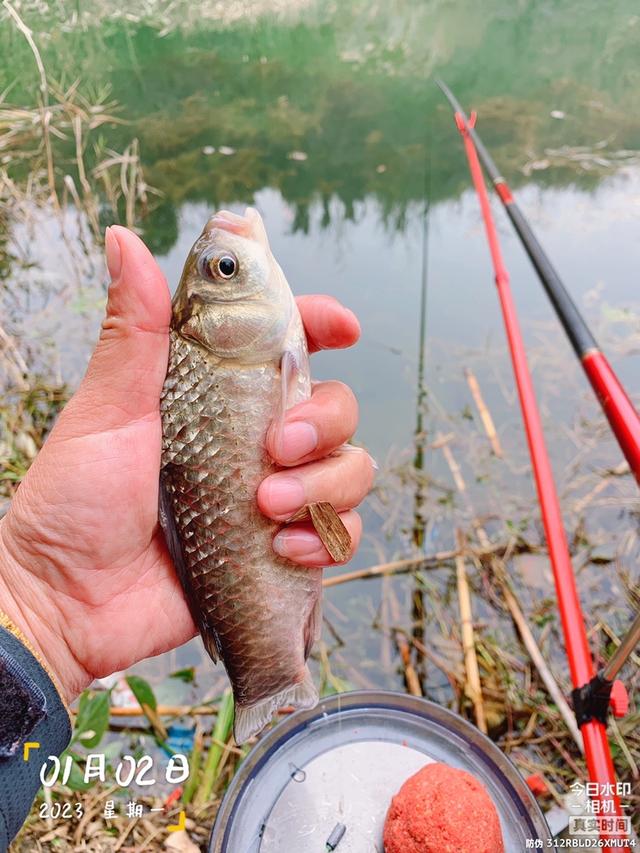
(126, 372)
(315, 428)
(300, 542)
(343, 479)
(328, 324)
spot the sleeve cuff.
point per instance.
(31, 710)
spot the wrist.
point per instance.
(28, 607)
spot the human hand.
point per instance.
(84, 569)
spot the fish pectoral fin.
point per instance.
(313, 628)
(210, 641)
(168, 525)
(289, 367)
(249, 721)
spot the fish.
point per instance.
(238, 360)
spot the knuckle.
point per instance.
(344, 402)
(362, 469)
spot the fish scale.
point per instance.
(258, 611)
(227, 543)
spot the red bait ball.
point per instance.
(441, 809)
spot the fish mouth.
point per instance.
(248, 225)
(232, 222)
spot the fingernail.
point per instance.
(284, 495)
(112, 253)
(374, 464)
(297, 440)
(296, 544)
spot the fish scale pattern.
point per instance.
(255, 608)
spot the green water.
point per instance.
(327, 118)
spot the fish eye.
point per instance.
(214, 267)
(227, 266)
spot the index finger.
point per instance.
(327, 323)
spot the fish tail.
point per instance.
(249, 721)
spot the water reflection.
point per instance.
(339, 104)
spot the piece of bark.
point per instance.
(329, 527)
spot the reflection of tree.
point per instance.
(161, 227)
(350, 95)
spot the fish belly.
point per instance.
(259, 612)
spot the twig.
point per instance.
(634, 658)
(429, 561)
(516, 612)
(565, 755)
(45, 112)
(473, 686)
(89, 197)
(162, 710)
(14, 362)
(432, 561)
(625, 749)
(485, 414)
(618, 471)
(456, 473)
(46, 792)
(354, 674)
(385, 645)
(410, 674)
(90, 810)
(535, 654)
(455, 679)
(124, 834)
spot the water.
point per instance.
(326, 117)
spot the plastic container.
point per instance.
(342, 761)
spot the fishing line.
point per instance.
(418, 533)
(424, 271)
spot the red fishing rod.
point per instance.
(620, 411)
(596, 745)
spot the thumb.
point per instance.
(127, 369)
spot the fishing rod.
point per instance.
(594, 734)
(620, 411)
